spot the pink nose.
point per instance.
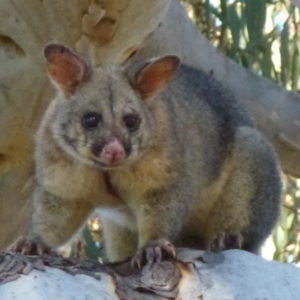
(112, 152)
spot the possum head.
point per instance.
(103, 116)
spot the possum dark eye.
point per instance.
(91, 120)
(132, 122)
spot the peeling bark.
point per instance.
(195, 274)
(106, 31)
(109, 31)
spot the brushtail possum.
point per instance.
(165, 153)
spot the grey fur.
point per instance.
(196, 166)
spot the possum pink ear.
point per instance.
(156, 75)
(66, 69)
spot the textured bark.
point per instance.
(109, 31)
(229, 275)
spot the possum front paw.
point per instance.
(153, 252)
(30, 246)
(226, 240)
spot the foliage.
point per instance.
(262, 35)
(286, 237)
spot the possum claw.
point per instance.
(153, 252)
(28, 246)
(226, 240)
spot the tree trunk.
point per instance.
(109, 32)
(229, 275)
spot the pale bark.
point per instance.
(106, 33)
(109, 33)
(229, 275)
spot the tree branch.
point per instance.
(109, 33)
(229, 275)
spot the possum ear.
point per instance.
(66, 69)
(155, 75)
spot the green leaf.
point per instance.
(255, 15)
(297, 198)
(284, 53)
(290, 220)
(207, 15)
(245, 60)
(295, 67)
(91, 249)
(266, 60)
(234, 24)
(280, 237)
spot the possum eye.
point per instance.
(91, 120)
(132, 122)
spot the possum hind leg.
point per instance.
(250, 201)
